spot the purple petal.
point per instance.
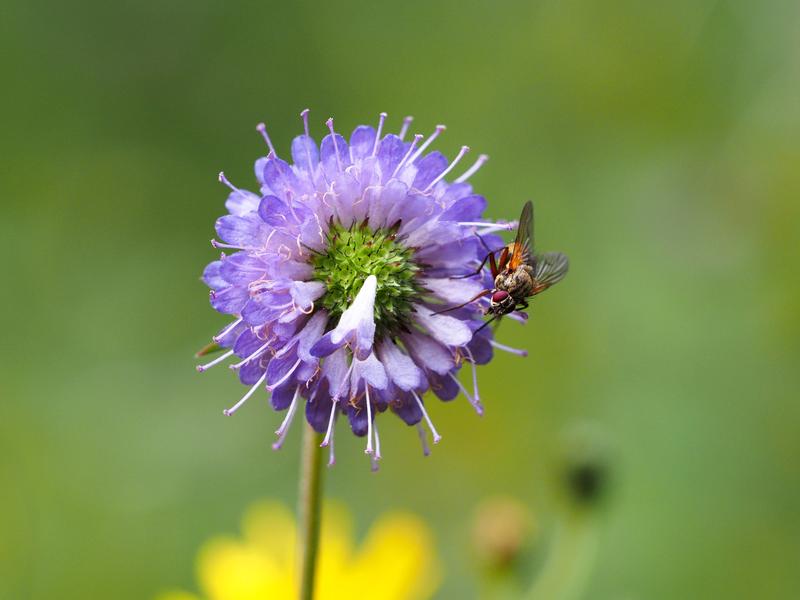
(324, 346)
(400, 367)
(428, 168)
(242, 202)
(444, 328)
(466, 209)
(371, 371)
(283, 395)
(480, 348)
(362, 141)
(357, 418)
(407, 409)
(310, 334)
(252, 371)
(246, 344)
(212, 276)
(327, 155)
(318, 408)
(241, 231)
(304, 153)
(242, 268)
(454, 291)
(428, 353)
(444, 386)
(304, 293)
(391, 150)
(279, 366)
(280, 178)
(230, 300)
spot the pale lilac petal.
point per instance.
(402, 370)
(372, 371)
(241, 202)
(444, 328)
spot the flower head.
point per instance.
(337, 271)
(397, 559)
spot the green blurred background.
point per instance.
(661, 144)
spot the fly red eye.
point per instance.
(499, 296)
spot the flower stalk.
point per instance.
(308, 510)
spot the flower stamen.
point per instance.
(329, 123)
(229, 411)
(473, 169)
(475, 403)
(219, 359)
(287, 421)
(368, 449)
(417, 138)
(450, 167)
(262, 129)
(382, 118)
(508, 349)
(218, 338)
(436, 437)
(404, 128)
(423, 439)
(439, 129)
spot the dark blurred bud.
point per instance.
(586, 469)
(502, 528)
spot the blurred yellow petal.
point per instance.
(269, 527)
(230, 570)
(397, 560)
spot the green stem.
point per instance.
(570, 561)
(308, 509)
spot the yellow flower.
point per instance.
(396, 561)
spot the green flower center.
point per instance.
(355, 253)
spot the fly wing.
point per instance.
(524, 240)
(551, 267)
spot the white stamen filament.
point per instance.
(377, 441)
(217, 244)
(439, 129)
(423, 438)
(224, 180)
(286, 376)
(474, 168)
(329, 433)
(417, 138)
(217, 338)
(287, 421)
(229, 411)
(474, 375)
(475, 403)
(258, 352)
(378, 133)
(331, 455)
(404, 128)
(509, 349)
(304, 116)
(461, 153)
(487, 225)
(262, 129)
(216, 361)
(434, 433)
(368, 449)
(329, 123)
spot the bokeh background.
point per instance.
(661, 145)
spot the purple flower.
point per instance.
(339, 268)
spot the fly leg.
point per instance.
(481, 295)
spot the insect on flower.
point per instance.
(519, 273)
